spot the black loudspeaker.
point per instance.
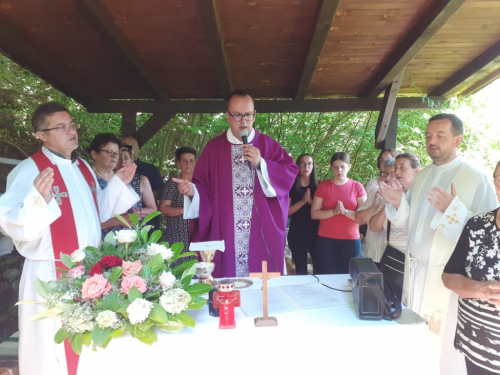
(367, 280)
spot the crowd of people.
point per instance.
(242, 189)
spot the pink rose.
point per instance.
(131, 281)
(95, 287)
(76, 272)
(131, 268)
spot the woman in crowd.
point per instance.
(402, 171)
(496, 180)
(140, 184)
(472, 273)
(172, 202)
(104, 150)
(333, 205)
(303, 230)
(373, 242)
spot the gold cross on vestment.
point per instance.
(452, 219)
(37, 202)
(265, 321)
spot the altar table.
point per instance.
(330, 340)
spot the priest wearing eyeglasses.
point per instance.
(54, 204)
(239, 193)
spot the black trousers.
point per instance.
(473, 369)
(333, 256)
(299, 246)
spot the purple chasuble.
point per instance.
(221, 177)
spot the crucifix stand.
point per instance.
(265, 321)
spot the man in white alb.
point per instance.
(54, 204)
(442, 198)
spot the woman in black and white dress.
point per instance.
(172, 202)
(473, 272)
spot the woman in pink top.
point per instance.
(334, 205)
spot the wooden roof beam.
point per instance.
(13, 45)
(152, 126)
(481, 84)
(325, 13)
(213, 30)
(456, 81)
(386, 112)
(105, 25)
(262, 106)
(438, 13)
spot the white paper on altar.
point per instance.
(207, 245)
(289, 298)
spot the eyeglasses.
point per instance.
(238, 118)
(302, 164)
(385, 174)
(110, 153)
(62, 128)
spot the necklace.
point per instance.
(100, 175)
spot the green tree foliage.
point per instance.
(320, 134)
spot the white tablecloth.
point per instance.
(330, 340)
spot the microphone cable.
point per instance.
(244, 135)
(329, 287)
(262, 232)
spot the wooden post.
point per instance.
(386, 112)
(129, 123)
(265, 321)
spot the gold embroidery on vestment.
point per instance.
(37, 202)
(452, 219)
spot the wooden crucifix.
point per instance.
(265, 321)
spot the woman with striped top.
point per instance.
(473, 272)
(404, 168)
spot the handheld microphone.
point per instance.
(244, 136)
(244, 139)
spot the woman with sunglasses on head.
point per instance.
(373, 242)
(303, 229)
(140, 184)
(334, 205)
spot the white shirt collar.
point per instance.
(57, 159)
(232, 139)
(452, 164)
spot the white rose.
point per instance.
(106, 319)
(78, 255)
(125, 236)
(167, 280)
(155, 248)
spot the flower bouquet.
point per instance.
(125, 286)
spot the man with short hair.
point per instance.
(146, 169)
(53, 205)
(442, 198)
(240, 194)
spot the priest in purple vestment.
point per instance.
(239, 194)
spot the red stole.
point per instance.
(63, 230)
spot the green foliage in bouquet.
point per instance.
(125, 286)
